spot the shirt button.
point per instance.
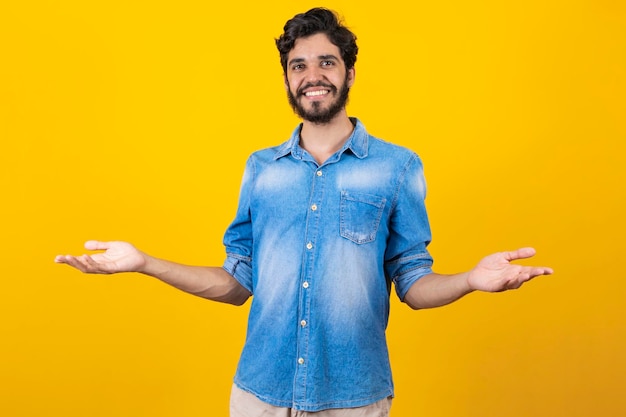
(314, 207)
(305, 284)
(303, 323)
(318, 173)
(309, 245)
(301, 361)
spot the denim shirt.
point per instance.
(318, 246)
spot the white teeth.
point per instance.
(316, 93)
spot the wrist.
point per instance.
(147, 264)
(467, 281)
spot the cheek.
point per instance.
(292, 85)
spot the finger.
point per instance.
(94, 266)
(529, 273)
(86, 264)
(63, 259)
(97, 245)
(539, 270)
(74, 262)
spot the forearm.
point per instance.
(494, 273)
(436, 290)
(213, 283)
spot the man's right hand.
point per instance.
(118, 257)
(213, 283)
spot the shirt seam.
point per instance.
(401, 180)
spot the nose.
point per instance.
(313, 75)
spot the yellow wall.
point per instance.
(132, 120)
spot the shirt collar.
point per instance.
(357, 142)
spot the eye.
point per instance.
(297, 67)
(327, 63)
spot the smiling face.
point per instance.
(317, 80)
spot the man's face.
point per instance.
(316, 80)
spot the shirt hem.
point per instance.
(315, 407)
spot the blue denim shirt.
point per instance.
(318, 247)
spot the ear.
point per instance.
(286, 81)
(351, 76)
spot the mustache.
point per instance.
(331, 87)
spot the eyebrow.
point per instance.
(320, 57)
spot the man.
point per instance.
(326, 223)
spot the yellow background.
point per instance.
(132, 120)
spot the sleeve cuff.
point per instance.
(406, 280)
(241, 269)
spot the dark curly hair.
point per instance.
(318, 20)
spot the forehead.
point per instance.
(313, 46)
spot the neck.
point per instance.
(323, 140)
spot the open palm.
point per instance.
(496, 273)
(117, 257)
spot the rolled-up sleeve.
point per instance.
(240, 269)
(407, 258)
(238, 239)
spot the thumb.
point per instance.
(522, 253)
(97, 245)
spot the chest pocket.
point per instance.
(360, 216)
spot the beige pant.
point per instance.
(244, 404)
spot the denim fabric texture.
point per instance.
(319, 248)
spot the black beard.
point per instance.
(317, 115)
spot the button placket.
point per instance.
(308, 276)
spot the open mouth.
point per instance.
(316, 90)
(316, 93)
